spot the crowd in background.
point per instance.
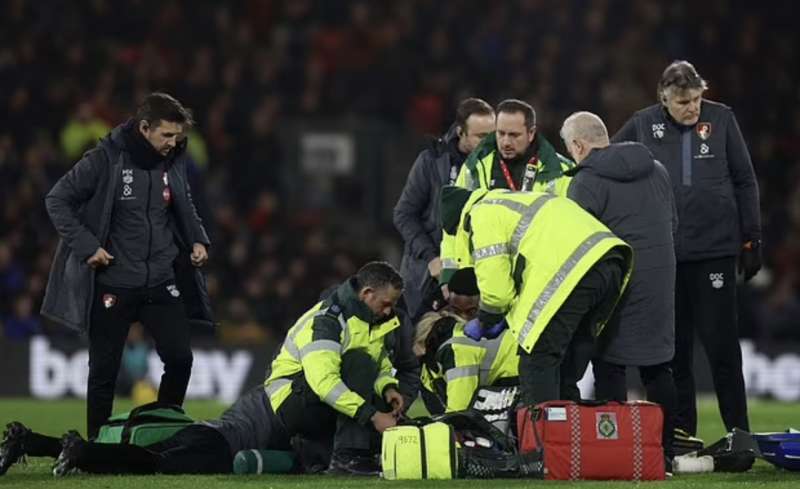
(69, 71)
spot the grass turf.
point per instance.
(56, 417)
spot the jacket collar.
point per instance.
(549, 160)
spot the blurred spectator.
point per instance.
(82, 132)
(22, 323)
(252, 69)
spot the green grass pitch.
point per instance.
(55, 417)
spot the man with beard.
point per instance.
(332, 377)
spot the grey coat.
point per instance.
(80, 206)
(416, 215)
(630, 192)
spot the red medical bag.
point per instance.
(595, 441)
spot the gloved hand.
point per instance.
(473, 329)
(750, 259)
(495, 331)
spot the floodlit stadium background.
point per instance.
(310, 114)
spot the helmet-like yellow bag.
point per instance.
(419, 452)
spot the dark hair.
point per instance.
(512, 106)
(682, 75)
(441, 331)
(159, 106)
(471, 106)
(378, 274)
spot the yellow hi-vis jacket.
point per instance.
(530, 250)
(476, 173)
(468, 364)
(314, 347)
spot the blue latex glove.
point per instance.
(473, 329)
(496, 330)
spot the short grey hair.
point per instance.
(584, 126)
(679, 76)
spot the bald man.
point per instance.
(628, 191)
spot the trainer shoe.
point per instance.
(67, 462)
(12, 448)
(683, 442)
(352, 463)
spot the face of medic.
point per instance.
(683, 105)
(513, 138)
(162, 135)
(476, 127)
(380, 301)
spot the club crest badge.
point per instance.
(173, 291)
(109, 300)
(658, 130)
(717, 280)
(607, 426)
(704, 130)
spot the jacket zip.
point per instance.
(149, 228)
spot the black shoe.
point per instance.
(67, 461)
(347, 463)
(683, 442)
(12, 448)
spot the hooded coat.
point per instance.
(80, 206)
(631, 193)
(416, 215)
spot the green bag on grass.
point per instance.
(144, 425)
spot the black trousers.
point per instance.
(563, 351)
(196, 449)
(705, 303)
(113, 311)
(303, 413)
(611, 384)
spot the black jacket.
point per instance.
(715, 188)
(416, 215)
(80, 206)
(625, 189)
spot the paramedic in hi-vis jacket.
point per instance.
(547, 270)
(332, 377)
(464, 364)
(516, 157)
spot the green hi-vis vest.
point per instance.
(476, 173)
(315, 345)
(468, 365)
(530, 250)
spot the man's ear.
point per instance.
(144, 126)
(364, 292)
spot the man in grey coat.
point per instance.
(416, 215)
(628, 191)
(130, 250)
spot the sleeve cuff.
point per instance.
(447, 274)
(395, 386)
(429, 254)
(364, 413)
(488, 319)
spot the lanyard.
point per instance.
(531, 168)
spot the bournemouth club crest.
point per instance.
(109, 300)
(704, 130)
